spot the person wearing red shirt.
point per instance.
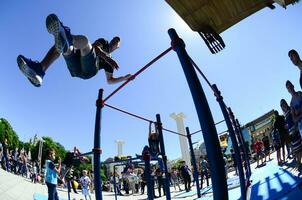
(258, 147)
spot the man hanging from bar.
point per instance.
(83, 59)
(153, 141)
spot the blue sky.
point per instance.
(250, 72)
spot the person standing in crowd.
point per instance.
(85, 182)
(234, 161)
(160, 181)
(267, 149)
(143, 182)
(15, 160)
(34, 172)
(1, 154)
(138, 181)
(204, 170)
(154, 181)
(295, 137)
(279, 126)
(258, 148)
(117, 185)
(24, 163)
(19, 158)
(52, 173)
(277, 144)
(296, 60)
(295, 105)
(185, 173)
(5, 159)
(226, 166)
(175, 179)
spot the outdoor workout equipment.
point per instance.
(137, 73)
(205, 119)
(170, 131)
(235, 133)
(97, 147)
(234, 140)
(208, 129)
(195, 174)
(163, 154)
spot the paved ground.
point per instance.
(14, 187)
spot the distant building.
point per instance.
(258, 128)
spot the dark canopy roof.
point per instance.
(218, 14)
(211, 17)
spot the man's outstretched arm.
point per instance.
(112, 80)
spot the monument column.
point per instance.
(120, 144)
(179, 118)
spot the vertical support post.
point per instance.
(114, 183)
(245, 151)
(242, 146)
(195, 174)
(68, 188)
(205, 119)
(228, 122)
(97, 150)
(163, 153)
(150, 185)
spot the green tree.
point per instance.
(103, 173)
(6, 131)
(177, 164)
(83, 166)
(48, 143)
(26, 145)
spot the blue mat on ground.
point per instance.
(273, 182)
(232, 183)
(269, 182)
(186, 194)
(38, 196)
(234, 194)
(294, 194)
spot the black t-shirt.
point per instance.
(51, 165)
(279, 125)
(184, 171)
(154, 146)
(102, 64)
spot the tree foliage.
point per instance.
(6, 131)
(103, 172)
(177, 164)
(48, 144)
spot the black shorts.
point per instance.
(81, 66)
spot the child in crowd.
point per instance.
(85, 182)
